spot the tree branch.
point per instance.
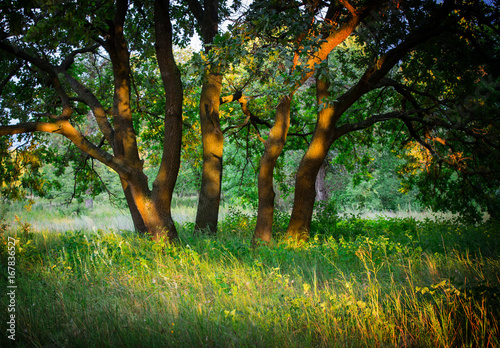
(348, 6)
(64, 128)
(97, 109)
(48, 68)
(11, 74)
(370, 121)
(414, 134)
(197, 10)
(243, 124)
(230, 98)
(69, 60)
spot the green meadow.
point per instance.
(359, 282)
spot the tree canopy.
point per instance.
(418, 78)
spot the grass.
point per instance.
(59, 217)
(385, 282)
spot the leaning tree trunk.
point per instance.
(305, 193)
(273, 147)
(123, 141)
(152, 207)
(277, 136)
(326, 132)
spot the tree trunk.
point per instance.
(277, 136)
(207, 15)
(164, 184)
(313, 160)
(212, 140)
(326, 132)
(150, 210)
(137, 219)
(273, 147)
(155, 216)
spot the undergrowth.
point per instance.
(356, 283)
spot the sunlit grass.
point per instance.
(376, 283)
(44, 216)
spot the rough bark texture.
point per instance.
(273, 147)
(137, 219)
(207, 16)
(207, 213)
(125, 142)
(305, 193)
(212, 140)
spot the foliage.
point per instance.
(20, 171)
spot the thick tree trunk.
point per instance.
(207, 15)
(164, 184)
(326, 132)
(313, 160)
(156, 217)
(273, 147)
(274, 144)
(150, 210)
(212, 140)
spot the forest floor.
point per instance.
(381, 281)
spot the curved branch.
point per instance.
(69, 60)
(414, 134)
(348, 6)
(97, 109)
(38, 62)
(64, 128)
(48, 68)
(243, 124)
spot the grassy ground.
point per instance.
(384, 282)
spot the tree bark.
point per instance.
(157, 220)
(272, 149)
(124, 143)
(150, 210)
(212, 140)
(137, 219)
(313, 160)
(163, 186)
(277, 136)
(326, 132)
(207, 16)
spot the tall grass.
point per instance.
(357, 283)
